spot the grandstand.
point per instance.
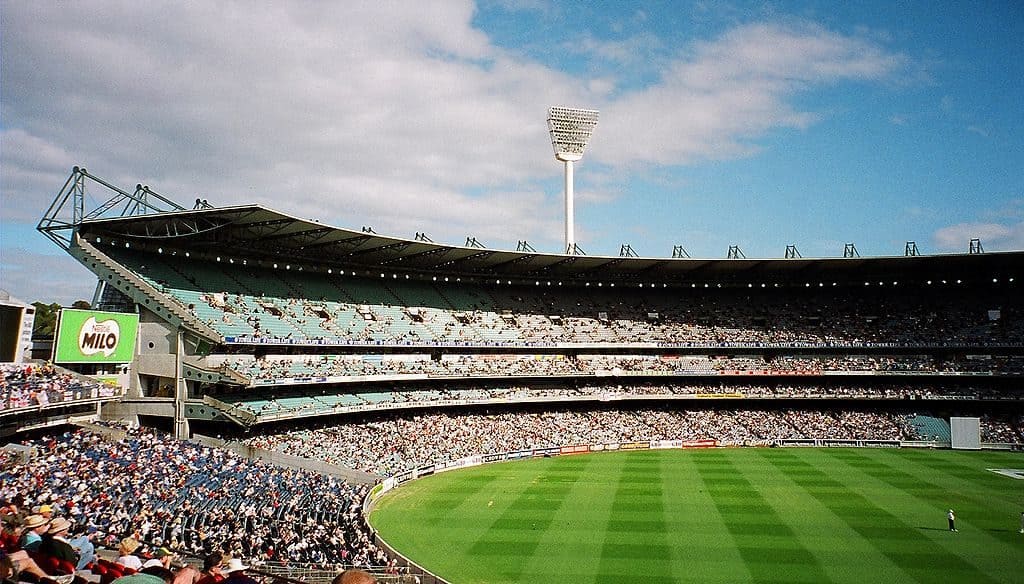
(379, 359)
(34, 397)
(248, 316)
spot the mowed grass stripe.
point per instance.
(979, 492)
(970, 471)
(987, 515)
(703, 547)
(766, 543)
(575, 535)
(896, 543)
(464, 490)
(639, 511)
(982, 510)
(515, 535)
(476, 544)
(795, 504)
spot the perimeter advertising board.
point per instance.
(90, 336)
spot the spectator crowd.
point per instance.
(177, 495)
(253, 304)
(31, 385)
(389, 444)
(151, 497)
(298, 400)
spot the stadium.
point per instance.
(296, 373)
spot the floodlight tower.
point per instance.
(570, 130)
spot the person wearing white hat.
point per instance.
(235, 565)
(126, 550)
(55, 543)
(235, 572)
(32, 535)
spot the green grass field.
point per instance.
(724, 515)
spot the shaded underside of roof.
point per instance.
(260, 234)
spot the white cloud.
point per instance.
(993, 236)
(978, 130)
(713, 103)
(347, 111)
(920, 212)
(633, 50)
(369, 113)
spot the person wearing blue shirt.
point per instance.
(32, 536)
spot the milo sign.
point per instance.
(89, 336)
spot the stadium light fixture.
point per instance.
(570, 130)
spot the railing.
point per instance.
(311, 574)
(287, 572)
(318, 378)
(482, 344)
(292, 413)
(85, 251)
(14, 402)
(245, 416)
(52, 389)
(274, 572)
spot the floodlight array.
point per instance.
(570, 130)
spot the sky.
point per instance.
(761, 125)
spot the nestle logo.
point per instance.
(95, 337)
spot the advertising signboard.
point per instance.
(90, 336)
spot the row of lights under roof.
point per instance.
(537, 282)
(994, 281)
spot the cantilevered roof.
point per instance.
(261, 234)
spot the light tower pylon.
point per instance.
(570, 130)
